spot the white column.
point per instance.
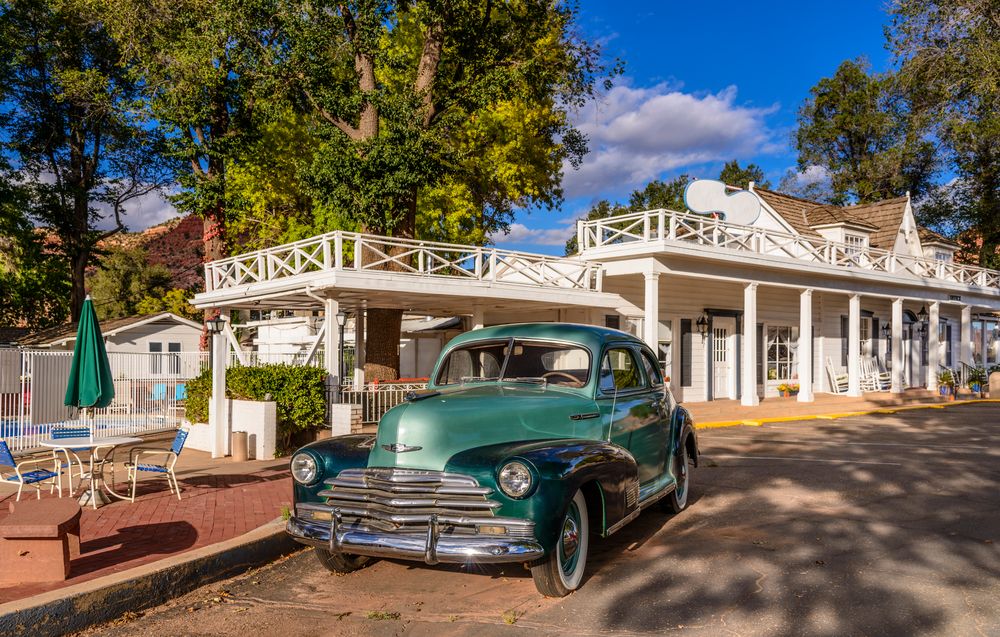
(331, 348)
(651, 307)
(359, 349)
(218, 414)
(965, 350)
(749, 359)
(933, 347)
(896, 386)
(805, 346)
(854, 345)
(477, 317)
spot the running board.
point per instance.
(656, 497)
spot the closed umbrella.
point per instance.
(90, 384)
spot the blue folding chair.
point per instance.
(180, 392)
(166, 469)
(34, 477)
(159, 392)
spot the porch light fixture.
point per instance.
(215, 326)
(341, 318)
(341, 321)
(922, 315)
(886, 328)
(702, 324)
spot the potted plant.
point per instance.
(946, 384)
(784, 389)
(977, 376)
(793, 389)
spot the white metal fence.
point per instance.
(377, 398)
(150, 392)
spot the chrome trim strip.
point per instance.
(453, 550)
(411, 518)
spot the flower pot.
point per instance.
(786, 394)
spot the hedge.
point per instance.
(300, 394)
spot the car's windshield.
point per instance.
(516, 360)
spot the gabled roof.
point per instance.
(886, 216)
(792, 209)
(928, 236)
(67, 331)
(9, 335)
(831, 215)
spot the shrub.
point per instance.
(300, 394)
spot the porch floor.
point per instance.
(725, 411)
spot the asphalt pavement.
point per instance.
(874, 525)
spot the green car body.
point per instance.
(620, 450)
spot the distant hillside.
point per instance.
(175, 244)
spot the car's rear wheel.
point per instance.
(677, 500)
(561, 571)
(340, 562)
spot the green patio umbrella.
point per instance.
(90, 383)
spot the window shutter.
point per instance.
(686, 347)
(760, 353)
(875, 337)
(947, 347)
(844, 335)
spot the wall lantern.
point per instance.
(341, 318)
(886, 329)
(215, 326)
(922, 315)
(702, 324)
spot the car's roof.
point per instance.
(591, 336)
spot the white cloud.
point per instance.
(140, 213)
(637, 134)
(813, 174)
(520, 233)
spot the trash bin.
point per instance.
(241, 446)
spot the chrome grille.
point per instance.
(404, 501)
(632, 494)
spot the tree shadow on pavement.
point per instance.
(132, 542)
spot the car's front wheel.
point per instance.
(341, 563)
(561, 571)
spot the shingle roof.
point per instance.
(68, 330)
(929, 236)
(827, 214)
(10, 335)
(886, 216)
(792, 209)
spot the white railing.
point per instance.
(702, 230)
(352, 251)
(377, 398)
(150, 391)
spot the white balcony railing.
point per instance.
(352, 251)
(702, 230)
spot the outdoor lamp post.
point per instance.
(702, 324)
(213, 327)
(922, 316)
(341, 321)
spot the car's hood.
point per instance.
(458, 419)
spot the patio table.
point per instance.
(107, 444)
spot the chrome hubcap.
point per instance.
(570, 537)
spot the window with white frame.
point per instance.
(855, 245)
(866, 337)
(664, 346)
(943, 256)
(782, 346)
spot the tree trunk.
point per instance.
(382, 344)
(78, 292)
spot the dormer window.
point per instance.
(856, 243)
(942, 256)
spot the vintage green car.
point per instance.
(528, 440)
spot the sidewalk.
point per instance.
(220, 499)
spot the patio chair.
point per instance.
(60, 432)
(34, 477)
(883, 377)
(839, 382)
(134, 466)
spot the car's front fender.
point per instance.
(559, 468)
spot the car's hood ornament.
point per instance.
(397, 447)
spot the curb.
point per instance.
(79, 606)
(757, 422)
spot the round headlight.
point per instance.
(304, 468)
(515, 479)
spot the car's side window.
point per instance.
(619, 371)
(652, 369)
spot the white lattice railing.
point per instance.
(695, 229)
(377, 398)
(352, 251)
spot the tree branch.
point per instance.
(346, 128)
(430, 59)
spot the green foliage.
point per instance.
(67, 107)
(949, 64)
(124, 281)
(857, 126)
(175, 301)
(300, 394)
(735, 175)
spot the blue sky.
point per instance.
(704, 82)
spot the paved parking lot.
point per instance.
(875, 525)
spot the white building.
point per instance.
(163, 333)
(748, 290)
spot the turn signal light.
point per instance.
(492, 530)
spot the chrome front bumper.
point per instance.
(430, 548)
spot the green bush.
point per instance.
(300, 394)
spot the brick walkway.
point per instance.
(220, 500)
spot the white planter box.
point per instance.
(258, 418)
